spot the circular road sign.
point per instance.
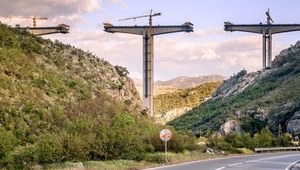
(165, 135)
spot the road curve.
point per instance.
(272, 161)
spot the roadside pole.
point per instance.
(165, 135)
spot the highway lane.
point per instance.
(272, 161)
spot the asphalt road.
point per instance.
(273, 161)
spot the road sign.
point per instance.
(165, 135)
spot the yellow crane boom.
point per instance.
(34, 18)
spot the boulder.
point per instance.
(209, 151)
(229, 127)
(293, 125)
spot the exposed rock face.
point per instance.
(284, 53)
(163, 118)
(293, 125)
(229, 127)
(239, 83)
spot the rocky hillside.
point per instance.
(99, 74)
(184, 82)
(53, 63)
(249, 101)
(59, 103)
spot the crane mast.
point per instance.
(269, 19)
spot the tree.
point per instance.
(122, 71)
(265, 137)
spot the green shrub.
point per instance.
(8, 142)
(128, 102)
(49, 150)
(157, 158)
(22, 158)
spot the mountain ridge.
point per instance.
(183, 82)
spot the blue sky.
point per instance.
(208, 50)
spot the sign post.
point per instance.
(165, 135)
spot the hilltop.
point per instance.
(247, 102)
(184, 82)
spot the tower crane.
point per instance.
(34, 18)
(269, 19)
(150, 21)
(150, 17)
(148, 48)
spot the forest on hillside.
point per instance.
(189, 97)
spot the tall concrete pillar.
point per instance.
(264, 50)
(148, 67)
(151, 76)
(269, 60)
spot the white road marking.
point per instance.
(257, 160)
(236, 164)
(207, 160)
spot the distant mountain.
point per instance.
(184, 82)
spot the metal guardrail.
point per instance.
(277, 149)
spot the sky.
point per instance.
(208, 50)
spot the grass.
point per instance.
(245, 151)
(95, 165)
(174, 158)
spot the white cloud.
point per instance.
(217, 31)
(48, 8)
(198, 33)
(208, 54)
(123, 4)
(67, 11)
